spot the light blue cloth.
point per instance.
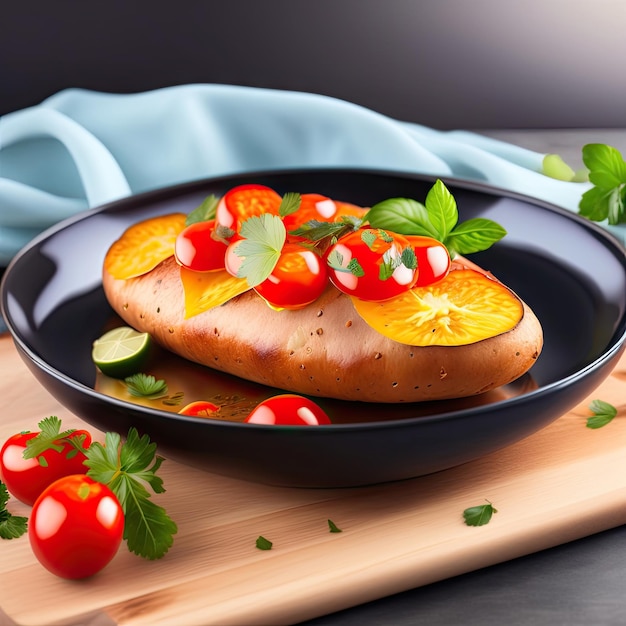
(80, 149)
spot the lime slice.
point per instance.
(121, 352)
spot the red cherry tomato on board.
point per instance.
(299, 278)
(197, 249)
(244, 201)
(288, 410)
(367, 263)
(27, 478)
(76, 527)
(433, 259)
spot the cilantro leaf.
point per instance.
(332, 527)
(206, 211)
(263, 544)
(317, 231)
(479, 515)
(606, 200)
(127, 469)
(603, 413)
(146, 386)
(11, 526)
(50, 437)
(289, 204)
(437, 218)
(264, 237)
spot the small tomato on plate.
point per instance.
(288, 410)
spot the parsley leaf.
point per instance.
(606, 200)
(50, 437)
(603, 413)
(479, 515)
(11, 526)
(318, 231)
(206, 211)
(146, 386)
(289, 204)
(263, 544)
(437, 218)
(264, 237)
(127, 469)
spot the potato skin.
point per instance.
(324, 349)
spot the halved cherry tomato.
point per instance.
(368, 264)
(198, 249)
(288, 410)
(76, 527)
(314, 206)
(433, 259)
(27, 478)
(299, 278)
(244, 201)
(200, 408)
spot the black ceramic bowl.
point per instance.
(569, 270)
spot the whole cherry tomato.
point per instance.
(244, 201)
(299, 278)
(76, 527)
(433, 259)
(288, 410)
(369, 263)
(198, 249)
(27, 478)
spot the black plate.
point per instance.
(569, 270)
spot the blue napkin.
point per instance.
(79, 149)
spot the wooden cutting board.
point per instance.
(562, 483)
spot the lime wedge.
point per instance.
(121, 352)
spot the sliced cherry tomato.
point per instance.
(433, 259)
(288, 410)
(27, 478)
(76, 527)
(244, 201)
(198, 249)
(314, 206)
(368, 264)
(200, 408)
(299, 278)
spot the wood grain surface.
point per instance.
(562, 483)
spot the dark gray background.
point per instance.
(443, 63)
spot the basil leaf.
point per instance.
(403, 216)
(607, 168)
(442, 209)
(474, 235)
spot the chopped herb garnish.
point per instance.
(50, 437)
(290, 204)
(332, 527)
(606, 200)
(263, 544)
(128, 468)
(603, 413)
(436, 218)
(11, 526)
(479, 515)
(205, 212)
(146, 386)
